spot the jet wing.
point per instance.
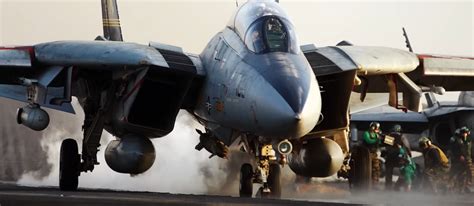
(444, 109)
(340, 69)
(451, 73)
(380, 60)
(436, 65)
(380, 69)
(336, 68)
(364, 59)
(394, 117)
(98, 54)
(411, 122)
(434, 74)
(45, 63)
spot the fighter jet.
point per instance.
(252, 85)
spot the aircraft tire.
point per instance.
(274, 182)
(246, 184)
(69, 162)
(361, 169)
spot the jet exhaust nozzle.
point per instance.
(33, 117)
(130, 154)
(319, 157)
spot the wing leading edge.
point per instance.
(35, 64)
(380, 69)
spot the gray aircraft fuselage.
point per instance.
(257, 79)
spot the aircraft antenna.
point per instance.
(236, 3)
(407, 41)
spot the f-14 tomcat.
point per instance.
(252, 84)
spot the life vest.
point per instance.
(444, 159)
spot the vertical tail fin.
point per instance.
(111, 20)
(407, 41)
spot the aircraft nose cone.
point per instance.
(291, 78)
(277, 116)
(298, 117)
(287, 99)
(294, 93)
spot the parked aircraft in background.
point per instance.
(438, 120)
(252, 84)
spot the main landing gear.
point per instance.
(69, 164)
(360, 173)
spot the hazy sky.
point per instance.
(439, 27)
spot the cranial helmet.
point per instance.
(424, 142)
(374, 125)
(397, 128)
(464, 130)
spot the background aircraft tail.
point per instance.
(111, 20)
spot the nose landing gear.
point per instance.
(267, 161)
(272, 188)
(267, 173)
(265, 158)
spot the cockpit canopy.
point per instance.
(270, 34)
(264, 27)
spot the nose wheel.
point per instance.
(267, 173)
(272, 188)
(274, 181)
(69, 163)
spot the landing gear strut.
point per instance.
(274, 180)
(69, 165)
(272, 187)
(267, 171)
